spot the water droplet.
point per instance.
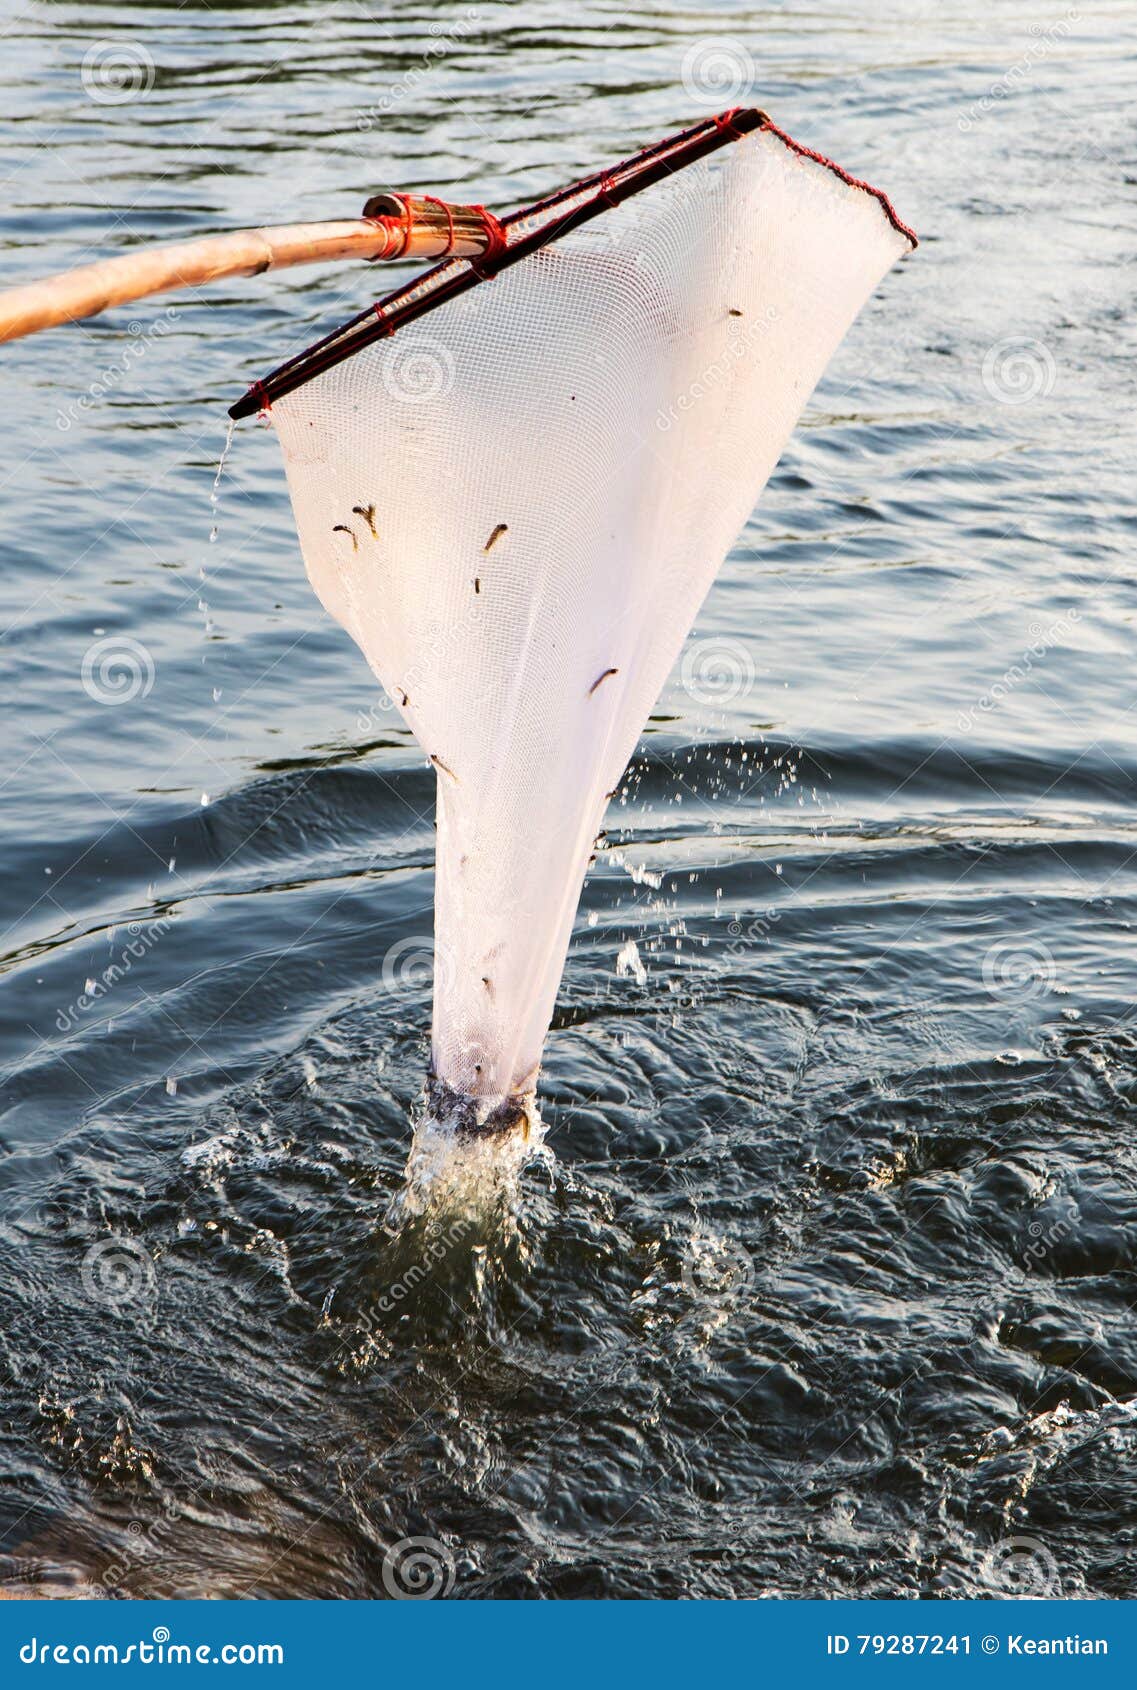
(215, 493)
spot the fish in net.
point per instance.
(514, 481)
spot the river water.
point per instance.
(825, 1286)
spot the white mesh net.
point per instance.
(515, 506)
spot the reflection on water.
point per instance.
(817, 1277)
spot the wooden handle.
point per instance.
(424, 229)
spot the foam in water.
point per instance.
(466, 1176)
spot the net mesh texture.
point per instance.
(516, 505)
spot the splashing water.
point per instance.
(469, 1178)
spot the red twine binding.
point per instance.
(449, 210)
(724, 123)
(497, 245)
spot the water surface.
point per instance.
(827, 1288)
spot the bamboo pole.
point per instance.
(393, 226)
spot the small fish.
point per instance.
(477, 583)
(367, 512)
(342, 528)
(495, 536)
(600, 678)
(439, 764)
(405, 699)
(735, 313)
(488, 984)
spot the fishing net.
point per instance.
(516, 503)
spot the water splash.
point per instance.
(470, 1176)
(215, 491)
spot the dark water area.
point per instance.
(826, 1283)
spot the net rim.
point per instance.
(606, 189)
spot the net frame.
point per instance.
(526, 231)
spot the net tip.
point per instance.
(256, 399)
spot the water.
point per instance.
(826, 1284)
